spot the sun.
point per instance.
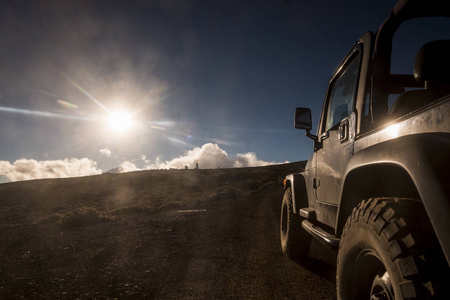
(120, 121)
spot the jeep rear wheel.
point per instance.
(295, 241)
(388, 251)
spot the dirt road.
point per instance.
(233, 252)
(224, 246)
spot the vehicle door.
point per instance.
(337, 129)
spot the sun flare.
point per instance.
(120, 121)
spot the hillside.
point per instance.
(151, 234)
(153, 190)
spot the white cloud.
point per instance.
(27, 169)
(105, 152)
(250, 160)
(127, 166)
(209, 156)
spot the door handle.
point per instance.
(343, 131)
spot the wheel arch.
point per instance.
(297, 183)
(412, 166)
(377, 180)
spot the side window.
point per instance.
(343, 93)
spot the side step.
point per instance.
(320, 234)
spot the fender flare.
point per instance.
(297, 183)
(424, 158)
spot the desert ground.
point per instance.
(161, 234)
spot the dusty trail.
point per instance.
(232, 251)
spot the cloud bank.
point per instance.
(27, 169)
(209, 156)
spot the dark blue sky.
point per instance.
(190, 72)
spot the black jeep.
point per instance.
(377, 187)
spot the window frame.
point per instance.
(355, 55)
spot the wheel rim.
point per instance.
(372, 278)
(382, 288)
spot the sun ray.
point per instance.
(81, 89)
(45, 114)
(66, 104)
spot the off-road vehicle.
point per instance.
(377, 187)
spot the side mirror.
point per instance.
(303, 121)
(303, 118)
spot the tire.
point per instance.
(388, 251)
(295, 241)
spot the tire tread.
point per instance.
(297, 241)
(400, 223)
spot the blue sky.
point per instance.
(225, 74)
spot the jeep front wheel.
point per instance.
(388, 251)
(295, 241)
